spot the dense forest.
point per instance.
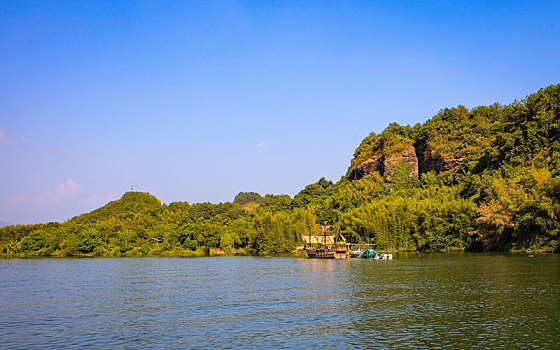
(480, 179)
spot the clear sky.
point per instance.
(198, 100)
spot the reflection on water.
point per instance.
(414, 301)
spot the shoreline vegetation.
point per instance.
(137, 253)
(480, 179)
(218, 253)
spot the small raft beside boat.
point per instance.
(356, 253)
(372, 254)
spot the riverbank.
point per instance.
(133, 253)
(137, 253)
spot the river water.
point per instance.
(415, 301)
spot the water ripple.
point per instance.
(425, 301)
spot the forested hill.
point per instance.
(463, 142)
(486, 178)
(131, 203)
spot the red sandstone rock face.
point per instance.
(431, 160)
(367, 167)
(383, 154)
(408, 156)
(385, 165)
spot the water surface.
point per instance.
(415, 301)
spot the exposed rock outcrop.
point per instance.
(404, 156)
(367, 167)
(439, 145)
(385, 165)
(429, 159)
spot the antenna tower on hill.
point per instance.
(131, 187)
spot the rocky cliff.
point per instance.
(386, 164)
(430, 159)
(384, 153)
(445, 142)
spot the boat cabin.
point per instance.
(318, 239)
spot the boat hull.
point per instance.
(329, 252)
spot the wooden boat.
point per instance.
(327, 247)
(338, 251)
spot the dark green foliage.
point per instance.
(247, 197)
(276, 203)
(130, 204)
(314, 193)
(280, 232)
(88, 240)
(420, 219)
(456, 134)
(33, 242)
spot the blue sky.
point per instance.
(198, 100)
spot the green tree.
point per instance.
(228, 240)
(126, 236)
(88, 240)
